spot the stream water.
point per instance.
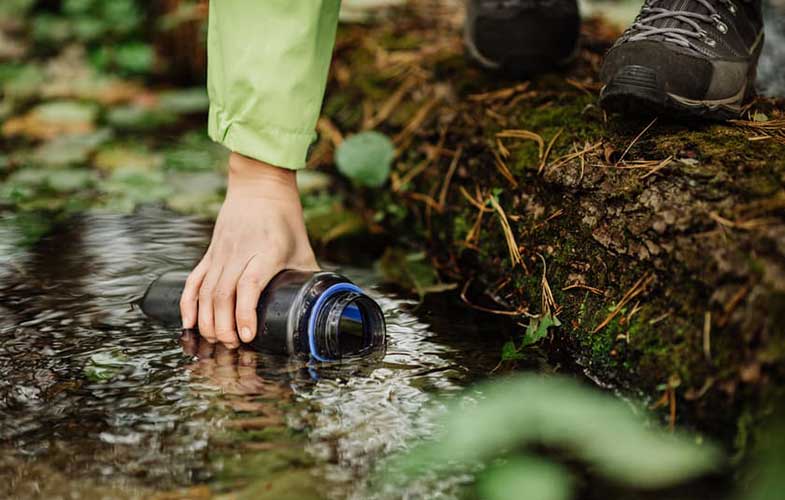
(96, 400)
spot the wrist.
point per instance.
(257, 177)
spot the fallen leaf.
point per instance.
(53, 119)
(366, 158)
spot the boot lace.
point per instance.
(689, 28)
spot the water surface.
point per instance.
(96, 400)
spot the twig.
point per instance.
(732, 304)
(448, 178)
(474, 232)
(707, 335)
(544, 156)
(589, 87)
(595, 291)
(515, 254)
(475, 203)
(660, 318)
(424, 198)
(504, 170)
(638, 288)
(558, 162)
(500, 94)
(391, 103)
(523, 134)
(503, 151)
(548, 303)
(404, 136)
(518, 312)
(432, 154)
(746, 225)
(327, 128)
(664, 163)
(637, 138)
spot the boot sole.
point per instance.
(635, 91)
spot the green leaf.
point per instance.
(327, 219)
(77, 7)
(69, 149)
(71, 179)
(135, 57)
(411, 271)
(87, 28)
(14, 9)
(198, 193)
(29, 183)
(51, 29)
(366, 158)
(22, 83)
(186, 101)
(123, 16)
(118, 156)
(539, 479)
(105, 365)
(510, 352)
(23, 230)
(196, 152)
(66, 112)
(134, 117)
(129, 187)
(538, 329)
(765, 478)
(557, 412)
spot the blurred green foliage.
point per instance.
(114, 33)
(500, 434)
(366, 158)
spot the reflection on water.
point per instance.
(167, 412)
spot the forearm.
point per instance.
(267, 67)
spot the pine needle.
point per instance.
(515, 254)
(637, 138)
(639, 287)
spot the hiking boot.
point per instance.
(522, 36)
(693, 58)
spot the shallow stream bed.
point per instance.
(98, 401)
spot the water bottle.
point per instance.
(318, 314)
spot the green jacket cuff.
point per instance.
(272, 145)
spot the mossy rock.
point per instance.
(694, 211)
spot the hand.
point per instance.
(259, 232)
(234, 371)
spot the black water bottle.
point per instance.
(320, 314)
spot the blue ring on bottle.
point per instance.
(332, 290)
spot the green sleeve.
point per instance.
(267, 69)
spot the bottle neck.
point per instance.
(346, 323)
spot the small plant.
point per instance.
(498, 435)
(366, 158)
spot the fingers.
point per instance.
(206, 293)
(223, 300)
(189, 343)
(254, 279)
(189, 297)
(204, 351)
(224, 305)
